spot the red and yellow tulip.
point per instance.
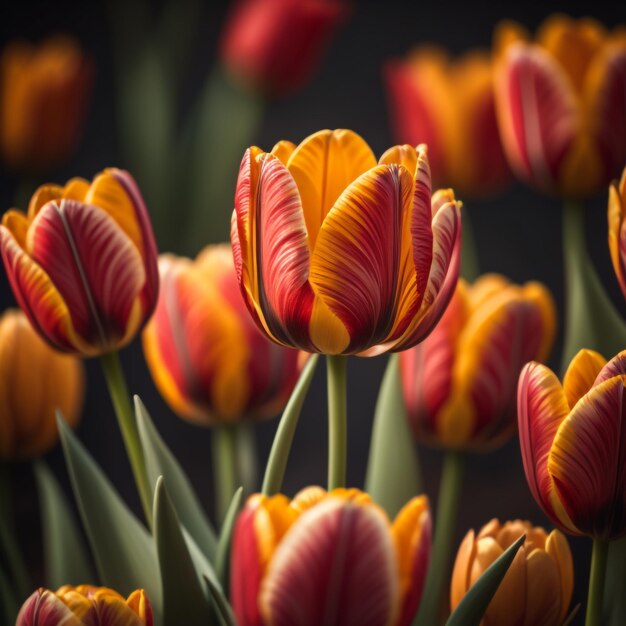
(561, 103)
(274, 45)
(84, 606)
(449, 105)
(617, 229)
(285, 551)
(44, 92)
(572, 437)
(35, 381)
(537, 588)
(338, 254)
(82, 262)
(207, 356)
(459, 384)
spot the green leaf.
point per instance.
(393, 470)
(472, 607)
(277, 462)
(184, 599)
(66, 558)
(8, 603)
(614, 610)
(124, 552)
(569, 620)
(223, 609)
(161, 462)
(226, 535)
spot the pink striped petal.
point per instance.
(43, 608)
(615, 367)
(336, 566)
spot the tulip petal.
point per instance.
(335, 567)
(323, 165)
(283, 150)
(558, 549)
(462, 569)
(139, 602)
(617, 230)
(583, 370)
(405, 155)
(615, 367)
(43, 608)
(543, 590)
(587, 461)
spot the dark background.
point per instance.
(517, 234)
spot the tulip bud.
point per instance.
(537, 588)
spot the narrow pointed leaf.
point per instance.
(279, 455)
(184, 600)
(226, 535)
(569, 620)
(123, 549)
(65, 554)
(472, 607)
(223, 609)
(161, 462)
(393, 470)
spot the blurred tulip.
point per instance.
(207, 356)
(459, 384)
(44, 92)
(572, 441)
(617, 229)
(85, 606)
(35, 381)
(449, 105)
(537, 588)
(328, 558)
(561, 104)
(338, 255)
(275, 45)
(83, 263)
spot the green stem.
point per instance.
(247, 463)
(120, 398)
(445, 522)
(597, 575)
(591, 320)
(470, 267)
(225, 474)
(336, 366)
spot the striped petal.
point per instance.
(615, 367)
(323, 165)
(541, 408)
(587, 461)
(581, 374)
(336, 566)
(110, 609)
(43, 608)
(617, 229)
(139, 602)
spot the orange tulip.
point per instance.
(338, 254)
(572, 438)
(44, 92)
(83, 263)
(84, 606)
(537, 588)
(617, 229)
(35, 381)
(328, 558)
(449, 105)
(459, 384)
(207, 356)
(561, 104)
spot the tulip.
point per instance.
(275, 45)
(44, 93)
(561, 104)
(459, 384)
(449, 105)
(35, 381)
(617, 230)
(84, 606)
(329, 558)
(537, 588)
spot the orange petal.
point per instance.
(543, 590)
(405, 155)
(581, 374)
(17, 223)
(558, 548)
(462, 569)
(617, 229)
(283, 150)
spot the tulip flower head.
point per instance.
(449, 105)
(206, 354)
(35, 381)
(84, 606)
(274, 45)
(459, 384)
(572, 441)
(44, 92)
(617, 229)
(328, 558)
(561, 104)
(537, 588)
(339, 255)
(83, 263)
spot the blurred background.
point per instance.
(518, 233)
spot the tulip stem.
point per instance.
(225, 474)
(114, 375)
(336, 366)
(429, 612)
(597, 575)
